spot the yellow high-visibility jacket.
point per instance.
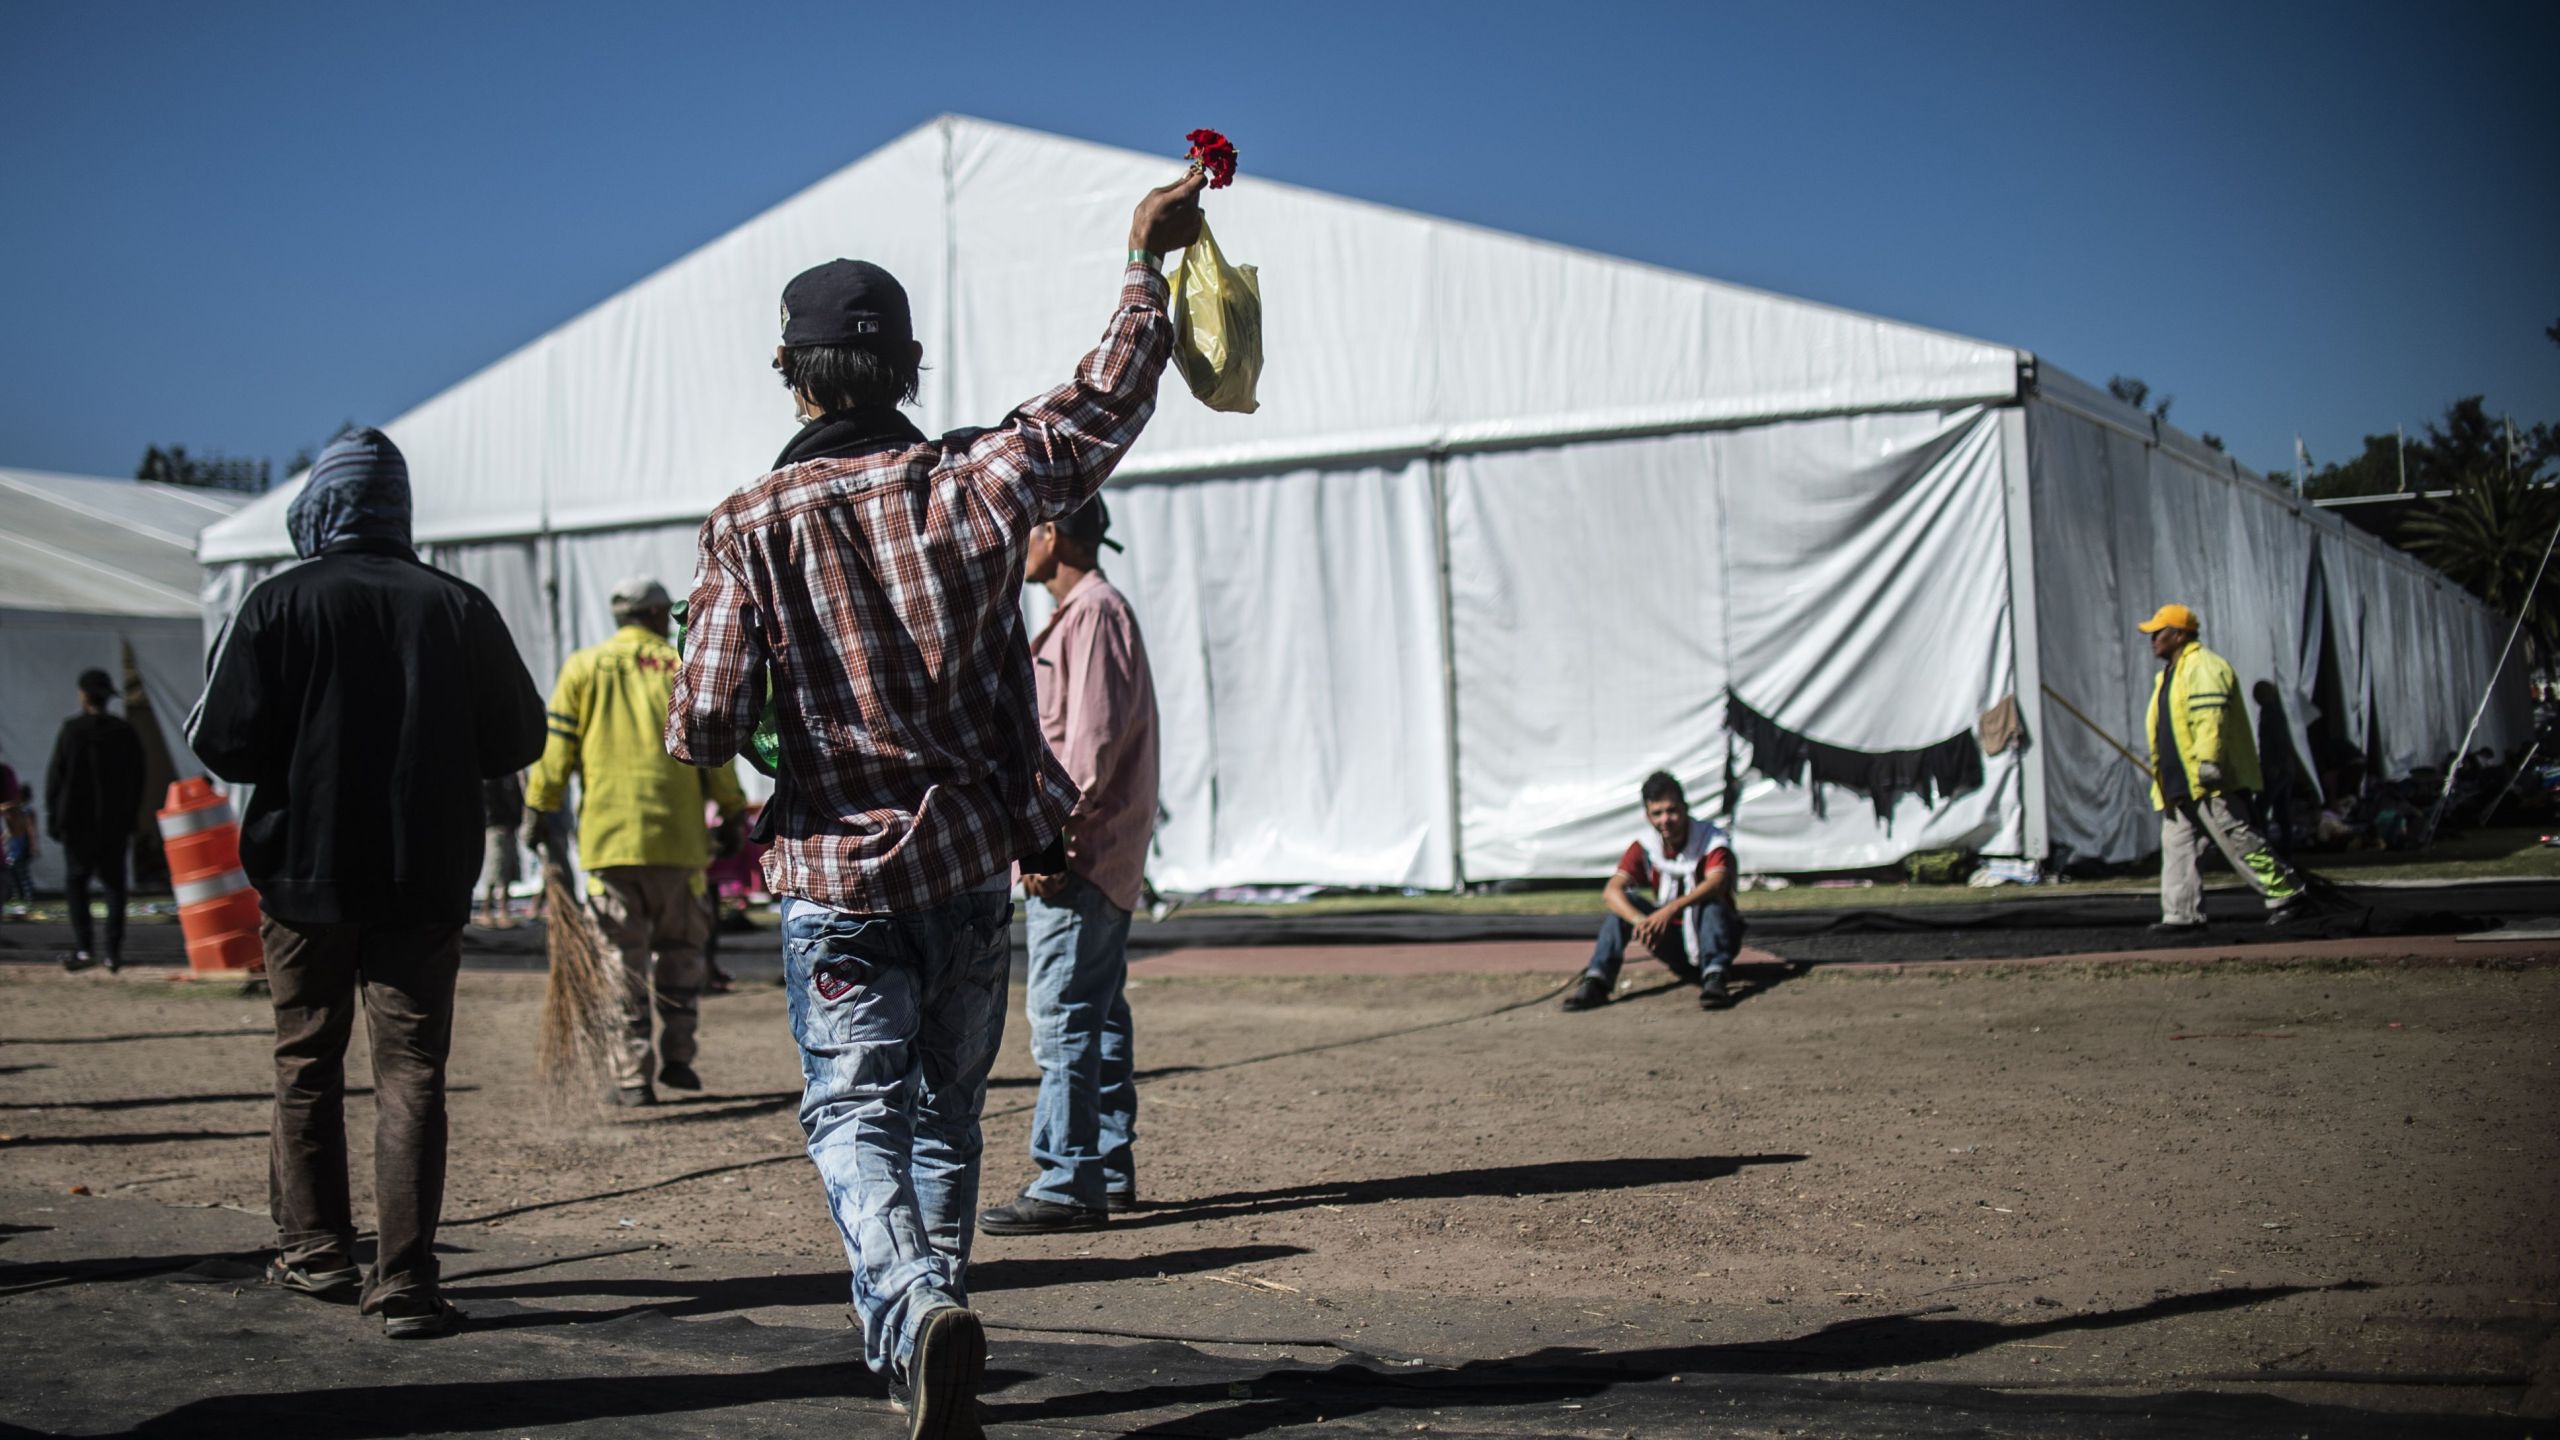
(2209, 721)
(637, 804)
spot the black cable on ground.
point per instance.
(527, 1209)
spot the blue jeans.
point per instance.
(898, 1019)
(1087, 1116)
(1719, 928)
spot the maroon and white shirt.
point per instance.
(1648, 865)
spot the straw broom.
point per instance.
(582, 1004)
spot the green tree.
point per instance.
(2490, 536)
(2137, 393)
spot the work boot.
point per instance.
(1589, 993)
(1712, 994)
(1030, 1215)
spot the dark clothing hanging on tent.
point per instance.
(1933, 772)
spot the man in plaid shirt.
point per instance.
(872, 581)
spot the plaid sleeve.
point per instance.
(1054, 451)
(719, 688)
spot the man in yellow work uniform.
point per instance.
(640, 832)
(2203, 762)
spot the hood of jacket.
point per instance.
(358, 490)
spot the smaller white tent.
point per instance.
(90, 571)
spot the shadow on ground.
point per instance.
(1566, 1177)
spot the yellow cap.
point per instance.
(2173, 617)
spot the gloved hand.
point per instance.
(537, 834)
(2209, 774)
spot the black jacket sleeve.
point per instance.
(231, 730)
(507, 707)
(57, 782)
(124, 771)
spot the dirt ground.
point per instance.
(2095, 1176)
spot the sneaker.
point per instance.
(1028, 1215)
(419, 1317)
(78, 960)
(678, 1077)
(943, 1376)
(631, 1097)
(337, 1284)
(1711, 992)
(2297, 908)
(1589, 994)
(2178, 927)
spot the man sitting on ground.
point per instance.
(1673, 894)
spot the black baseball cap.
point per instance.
(845, 302)
(1089, 524)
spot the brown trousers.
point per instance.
(406, 977)
(654, 929)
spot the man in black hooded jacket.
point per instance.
(365, 696)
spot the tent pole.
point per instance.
(2026, 645)
(1448, 666)
(2462, 757)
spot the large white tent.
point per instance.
(1515, 525)
(92, 571)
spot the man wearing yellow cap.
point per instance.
(2203, 763)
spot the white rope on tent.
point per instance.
(2462, 757)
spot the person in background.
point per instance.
(2278, 770)
(870, 585)
(18, 836)
(640, 834)
(1098, 713)
(365, 695)
(501, 852)
(92, 797)
(1672, 893)
(2203, 764)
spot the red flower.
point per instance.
(1215, 154)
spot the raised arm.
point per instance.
(1054, 451)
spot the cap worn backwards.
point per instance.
(1090, 524)
(845, 302)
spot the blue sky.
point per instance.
(232, 227)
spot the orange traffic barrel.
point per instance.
(216, 907)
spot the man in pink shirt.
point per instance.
(1098, 712)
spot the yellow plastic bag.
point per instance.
(1217, 326)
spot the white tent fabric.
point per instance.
(88, 568)
(1607, 596)
(1510, 524)
(2124, 523)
